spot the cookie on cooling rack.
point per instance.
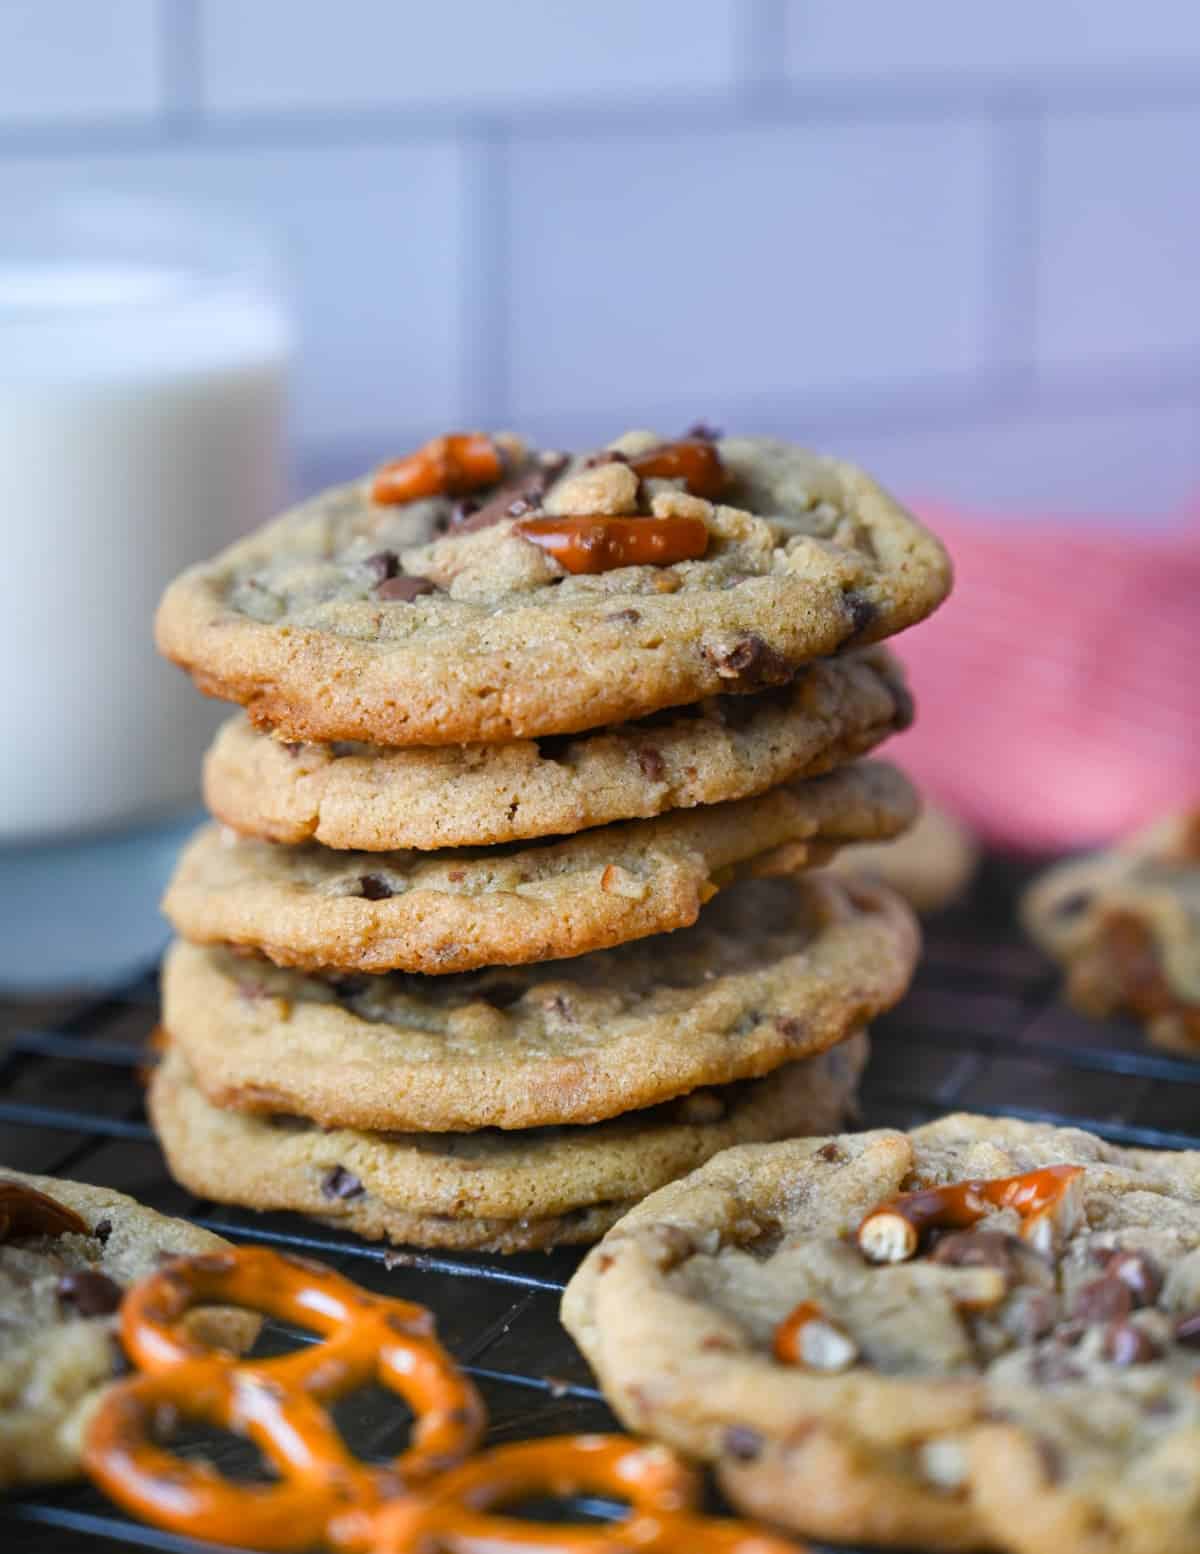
(984, 1334)
(478, 591)
(67, 1253)
(1125, 925)
(774, 970)
(459, 909)
(371, 798)
(489, 1190)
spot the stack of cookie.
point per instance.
(451, 970)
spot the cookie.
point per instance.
(1125, 924)
(930, 865)
(490, 1190)
(349, 795)
(1007, 1365)
(774, 970)
(390, 612)
(460, 909)
(58, 1298)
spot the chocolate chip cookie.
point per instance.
(931, 865)
(488, 1190)
(67, 1254)
(481, 591)
(775, 970)
(459, 909)
(1125, 924)
(371, 798)
(979, 1335)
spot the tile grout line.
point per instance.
(180, 44)
(1016, 125)
(484, 290)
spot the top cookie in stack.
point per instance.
(511, 708)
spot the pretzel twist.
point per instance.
(456, 1512)
(276, 1403)
(426, 1501)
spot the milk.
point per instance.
(140, 430)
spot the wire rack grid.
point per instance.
(982, 1029)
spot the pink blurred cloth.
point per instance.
(1058, 689)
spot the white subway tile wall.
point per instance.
(958, 241)
(70, 61)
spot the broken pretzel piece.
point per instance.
(1046, 1200)
(447, 466)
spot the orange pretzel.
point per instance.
(808, 1337)
(26, 1212)
(693, 460)
(455, 1513)
(446, 466)
(892, 1232)
(602, 544)
(324, 1491)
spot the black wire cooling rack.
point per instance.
(982, 1029)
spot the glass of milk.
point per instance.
(143, 356)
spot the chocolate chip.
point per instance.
(975, 1249)
(743, 1443)
(702, 432)
(1125, 1344)
(340, 748)
(654, 768)
(831, 1152)
(628, 617)
(405, 589)
(93, 1294)
(1187, 1330)
(1137, 1271)
(340, 1183)
(1103, 1300)
(384, 564)
(371, 887)
(102, 1229)
(750, 662)
(527, 493)
(789, 1026)
(862, 611)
